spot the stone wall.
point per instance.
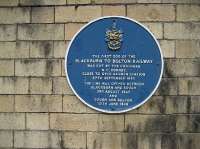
(38, 109)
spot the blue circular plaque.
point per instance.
(114, 64)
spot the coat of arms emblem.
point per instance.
(114, 37)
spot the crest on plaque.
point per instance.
(114, 37)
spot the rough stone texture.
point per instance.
(36, 139)
(38, 110)
(187, 49)
(150, 123)
(74, 122)
(73, 104)
(61, 86)
(77, 14)
(113, 10)
(187, 30)
(78, 1)
(7, 67)
(40, 86)
(60, 49)
(156, 105)
(41, 49)
(42, 2)
(37, 121)
(168, 86)
(168, 48)
(189, 86)
(104, 140)
(41, 32)
(182, 1)
(188, 13)
(37, 67)
(111, 122)
(9, 2)
(71, 29)
(74, 140)
(14, 15)
(6, 139)
(182, 67)
(12, 121)
(42, 15)
(38, 103)
(7, 32)
(6, 103)
(194, 104)
(151, 12)
(17, 49)
(156, 29)
(13, 85)
(114, 1)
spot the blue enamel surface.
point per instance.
(136, 40)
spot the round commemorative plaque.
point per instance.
(114, 64)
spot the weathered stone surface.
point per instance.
(14, 15)
(63, 68)
(188, 13)
(40, 85)
(77, 14)
(177, 104)
(42, 15)
(189, 86)
(36, 67)
(111, 122)
(78, 1)
(41, 49)
(38, 103)
(168, 86)
(151, 12)
(7, 32)
(188, 123)
(74, 140)
(182, 1)
(156, 29)
(73, 104)
(41, 32)
(36, 139)
(17, 49)
(148, 141)
(13, 85)
(9, 2)
(187, 49)
(182, 67)
(6, 103)
(155, 105)
(7, 67)
(6, 139)
(74, 122)
(60, 49)
(187, 30)
(194, 104)
(114, 1)
(42, 2)
(150, 123)
(12, 121)
(37, 121)
(61, 86)
(104, 140)
(149, 1)
(71, 29)
(114, 10)
(168, 48)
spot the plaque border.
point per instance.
(120, 111)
